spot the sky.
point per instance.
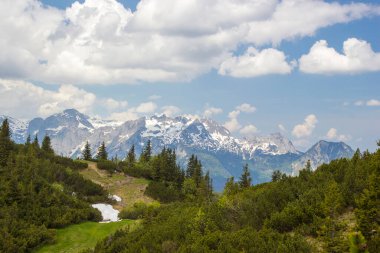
(309, 69)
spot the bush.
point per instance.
(139, 211)
(163, 192)
(107, 165)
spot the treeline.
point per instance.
(334, 209)
(40, 191)
(168, 181)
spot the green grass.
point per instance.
(130, 189)
(82, 236)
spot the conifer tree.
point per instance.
(5, 142)
(28, 141)
(198, 173)
(46, 145)
(86, 153)
(35, 142)
(146, 154)
(191, 166)
(245, 178)
(102, 152)
(131, 156)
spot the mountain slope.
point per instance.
(221, 153)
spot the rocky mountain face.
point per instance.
(322, 152)
(220, 152)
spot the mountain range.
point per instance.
(220, 152)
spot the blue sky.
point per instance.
(336, 100)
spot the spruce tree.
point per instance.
(131, 156)
(191, 166)
(245, 178)
(35, 142)
(46, 145)
(28, 141)
(5, 142)
(102, 152)
(147, 152)
(86, 153)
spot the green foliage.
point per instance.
(86, 153)
(107, 166)
(102, 152)
(46, 145)
(38, 192)
(245, 179)
(139, 210)
(357, 243)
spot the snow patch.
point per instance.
(109, 214)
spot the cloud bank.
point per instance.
(102, 42)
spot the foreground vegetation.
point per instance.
(40, 192)
(334, 209)
(76, 238)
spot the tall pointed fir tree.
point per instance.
(146, 154)
(35, 142)
(46, 145)
(86, 153)
(5, 142)
(102, 152)
(131, 156)
(245, 179)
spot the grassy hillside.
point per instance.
(82, 236)
(130, 189)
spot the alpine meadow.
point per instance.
(146, 126)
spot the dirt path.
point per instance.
(130, 189)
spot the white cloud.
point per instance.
(246, 108)
(211, 111)
(256, 63)
(306, 128)
(100, 41)
(170, 110)
(249, 130)
(373, 102)
(357, 57)
(332, 134)
(124, 116)
(148, 107)
(35, 100)
(232, 125)
(112, 104)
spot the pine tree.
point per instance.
(86, 153)
(208, 181)
(146, 154)
(245, 178)
(28, 141)
(198, 173)
(46, 145)
(191, 166)
(102, 152)
(5, 142)
(131, 156)
(35, 142)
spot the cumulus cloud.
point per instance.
(332, 134)
(256, 63)
(147, 107)
(211, 111)
(170, 110)
(249, 130)
(101, 41)
(357, 57)
(124, 116)
(34, 99)
(306, 128)
(232, 124)
(112, 104)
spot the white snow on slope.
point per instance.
(109, 214)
